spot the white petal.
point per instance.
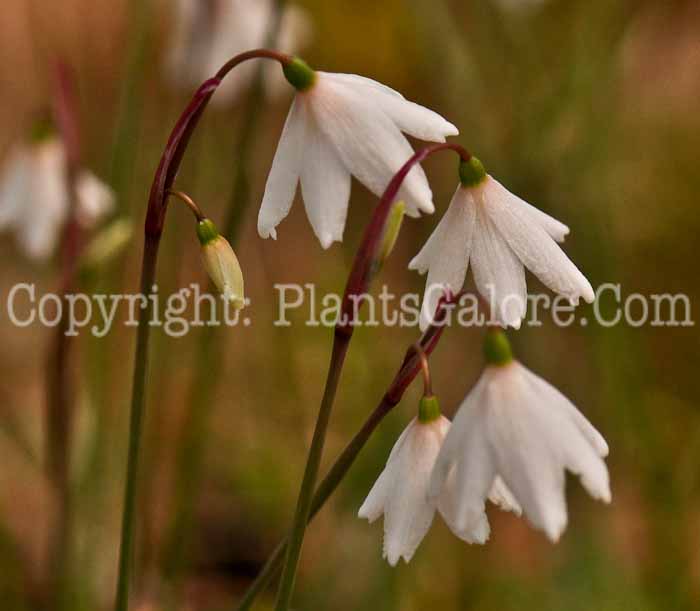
(286, 166)
(477, 531)
(556, 229)
(528, 465)
(411, 118)
(401, 491)
(47, 204)
(95, 198)
(564, 435)
(373, 506)
(554, 397)
(325, 187)
(446, 253)
(498, 273)
(465, 451)
(533, 245)
(14, 187)
(371, 146)
(500, 495)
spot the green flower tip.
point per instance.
(428, 409)
(471, 172)
(42, 129)
(497, 348)
(299, 74)
(206, 232)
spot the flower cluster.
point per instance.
(511, 441)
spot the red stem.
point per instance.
(366, 258)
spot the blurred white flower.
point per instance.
(516, 426)
(341, 125)
(401, 493)
(500, 235)
(34, 198)
(208, 33)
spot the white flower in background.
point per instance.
(516, 426)
(206, 34)
(343, 125)
(401, 491)
(34, 198)
(499, 235)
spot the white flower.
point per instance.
(34, 198)
(207, 34)
(342, 125)
(400, 493)
(516, 426)
(499, 235)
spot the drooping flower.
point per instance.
(34, 197)
(207, 34)
(499, 235)
(401, 491)
(516, 426)
(343, 125)
(221, 263)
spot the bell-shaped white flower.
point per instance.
(516, 426)
(207, 34)
(499, 235)
(401, 491)
(34, 197)
(343, 125)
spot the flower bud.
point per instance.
(221, 263)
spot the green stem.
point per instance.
(150, 255)
(191, 447)
(341, 342)
(323, 493)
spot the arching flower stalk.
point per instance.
(369, 257)
(410, 367)
(155, 219)
(205, 34)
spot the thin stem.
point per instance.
(138, 400)
(364, 266)
(191, 445)
(341, 343)
(189, 202)
(407, 373)
(60, 391)
(155, 219)
(425, 369)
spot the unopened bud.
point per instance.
(221, 263)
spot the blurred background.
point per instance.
(586, 109)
